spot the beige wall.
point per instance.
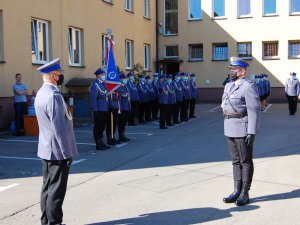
(93, 16)
(232, 30)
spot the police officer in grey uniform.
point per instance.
(292, 89)
(241, 108)
(57, 146)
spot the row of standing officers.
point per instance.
(175, 99)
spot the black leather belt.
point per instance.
(235, 115)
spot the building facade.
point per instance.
(199, 36)
(75, 31)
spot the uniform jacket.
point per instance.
(143, 92)
(133, 91)
(178, 90)
(292, 87)
(171, 93)
(163, 94)
(98, 96)
(193, 89)
(150, 91)
(56, 135)
(242, 98)
(155, 85)
(124, 98)
(186, 89)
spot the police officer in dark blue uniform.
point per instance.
(155, 85)
(124, 110)
(186, 97)
(143, 99)
(194, 95)
(99, 105)
(151, 99)
(241, 108)
(112, 119)
(163, 102)
(171, 100)
(134, 98)
(179, 98)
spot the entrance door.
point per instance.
(172, 68)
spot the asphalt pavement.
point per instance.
(177, 176)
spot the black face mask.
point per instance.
(60, 80)
(233, 75)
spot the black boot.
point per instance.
(99, 145)
(104, 145)
(111, 141)
(236, 193)
(243, 199)
(122, 138)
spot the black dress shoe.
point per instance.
(192, 117)
(170, 124)
(111, 142)
(164, 127)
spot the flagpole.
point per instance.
(112, 119)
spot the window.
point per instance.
(171, 17)
(129, 5)
(75, 46)
(294, 49)
(171, 52)
(39, 41)
(146, 8)
(269, 7)
(128, 54)
(218, 8)
(220, 51)
(196, 52)
(104, 48)
(245, 50)
(270, 50)
(146, 57)
(244, 8)
(294, 7)
(1, 37)
(195, 11)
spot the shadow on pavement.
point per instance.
(180, 217)
(280, 196)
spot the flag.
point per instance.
(112, 76)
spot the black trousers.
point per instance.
(112, 117)
(192, 107)
(241, 157)
(148, 111)
(155, 109)
(122, 120)
(20, 110)
(177, 109)
(55, 179)
(100, 120)
(133, 111)
(184, 109)
(292, 100)
(163, 109)
(142, 111)
(170, 114)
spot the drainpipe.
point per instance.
(156, 35)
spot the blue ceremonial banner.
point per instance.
(112, 76)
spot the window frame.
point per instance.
(128, 3)
(264, 57)
(189, 13)
(190, 52)
(214, 45)
(269, 14)
(130, 52)
(37, 59)
(246, 15)
(174, 56)
(165, 23)
(293, 56)
(147, 54)
(147, 9)
(1, 37)
(80, 49)
(292, 13)
(213, 11)
(238, 50)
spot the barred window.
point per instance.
(171, 51)
(244, 8)
(245, 50)
(220, 51)
(196, 52)
(294, 49)
(270, 49)
(171, 17)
